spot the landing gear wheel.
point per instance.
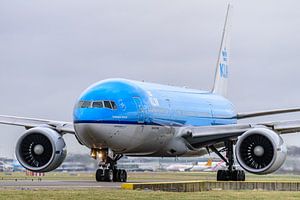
(123, 175)
(235, 175)
(222, 175)
(108, 175)
(219, 175)
(231, 174)
(99, 175)
(117, 175)
(241, 175)
(108, 171)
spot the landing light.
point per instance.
(100, 155)
(94, 153)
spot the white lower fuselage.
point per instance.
(135, 140)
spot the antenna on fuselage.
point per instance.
(221, 73)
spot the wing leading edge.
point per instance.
(208, 135)
(60, 126)
(267, 112)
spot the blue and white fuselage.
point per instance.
(134, 118)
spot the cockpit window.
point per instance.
(97, 104)
(84, 104)
(107, 104)
(113, 104)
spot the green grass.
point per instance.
(49, 176)
(108, 194)
(128, 195)
(151, 176)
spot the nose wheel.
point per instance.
(120, 175)
(108, 171)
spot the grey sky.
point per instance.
(50, 51)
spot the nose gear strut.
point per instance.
(108, 171)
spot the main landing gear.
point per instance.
(231, 174)
(108, 171)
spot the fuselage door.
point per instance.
(213, 120)
(140, 109)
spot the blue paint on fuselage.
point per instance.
(149, 103)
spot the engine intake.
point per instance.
(41, 149)
(260, 151)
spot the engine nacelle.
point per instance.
(41, 149)
(260, 151)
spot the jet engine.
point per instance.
(41, 149)
(260, 151)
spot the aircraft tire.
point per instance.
(226, 175)
(222, 175)
(99, 175)
(238, 175)
(242, 176)
(117, 177)
(108, 175)
(123, 175)
(235, 175)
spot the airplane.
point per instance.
(210, 166)
(5, 167)
(17, 167)
(179, 167)
(118, 117)
(198, 166)
(1, 166)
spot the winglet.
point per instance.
(221, 73)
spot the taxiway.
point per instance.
(56, 184)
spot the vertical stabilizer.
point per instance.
(221, 74)
(209, 163)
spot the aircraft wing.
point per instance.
(60, 126)
(267, 112)
(207, 135)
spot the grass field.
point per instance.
(107, 194)
(150, 176)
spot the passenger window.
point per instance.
(107, 104)
(113, 104)
(97, 104)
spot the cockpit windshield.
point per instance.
(97, 104)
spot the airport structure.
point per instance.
(200, 186)
(118, 117)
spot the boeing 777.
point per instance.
(119, 117)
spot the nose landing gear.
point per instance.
(108, 171)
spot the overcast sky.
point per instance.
(50, 51)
